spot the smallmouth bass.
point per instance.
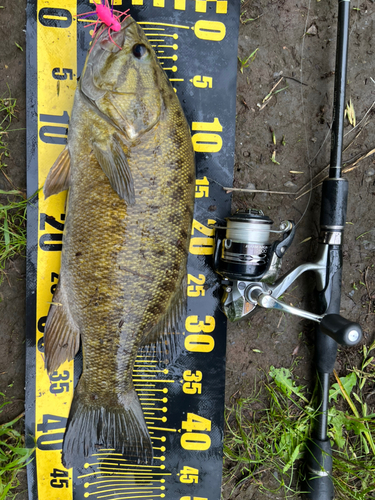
(129, 167)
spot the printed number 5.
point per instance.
(62, 73)
(202, 82)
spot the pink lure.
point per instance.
(107, 16)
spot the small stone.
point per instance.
(250, 186)
(290, 184)
(370, 171)
(314, 139)
(368, 245)
(277, 74)
(313, 30)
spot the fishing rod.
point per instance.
(248, 255)
(332, 222)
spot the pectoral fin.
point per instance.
(114, 163)
(61, 334)
(58, 178)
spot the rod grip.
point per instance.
(334, 204)
(319, 470)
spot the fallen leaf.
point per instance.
(295, 351)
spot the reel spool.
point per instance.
(246, 248)
(247, 252)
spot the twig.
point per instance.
(15, 418)
(295, 79)
(230, 189)
(345, 171)
(368, 292)
(311, 189)
(244, 5)
(254, 19)
(278, 324)
(7, 178)
(354, 166)
(347, 147)
(266, 100)
(319, 150)
(327, 166)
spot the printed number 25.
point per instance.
(197, 289)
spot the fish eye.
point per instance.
(139, 50)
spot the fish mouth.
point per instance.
(128, 21)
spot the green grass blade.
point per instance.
(6, 232)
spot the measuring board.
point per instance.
(183, 400)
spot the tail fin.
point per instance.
(122, 428)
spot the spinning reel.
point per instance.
(248, 256)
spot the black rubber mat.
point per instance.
(183, 402)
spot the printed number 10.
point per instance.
(205, 141)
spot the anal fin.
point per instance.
(61, 334)
(163, 338)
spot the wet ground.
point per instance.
(295, 42)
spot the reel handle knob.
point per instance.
(341, 330)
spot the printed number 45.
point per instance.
(57, 481)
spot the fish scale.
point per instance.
(124, 260)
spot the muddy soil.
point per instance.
(295, 40)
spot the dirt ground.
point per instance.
(300, 116)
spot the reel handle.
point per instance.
(341, 330)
